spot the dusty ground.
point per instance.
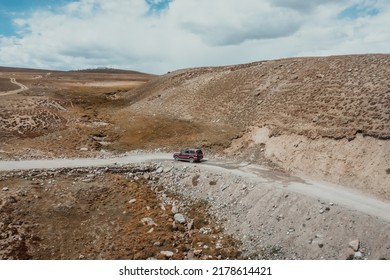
(61, 113)
(103, 213)
(326, 118)
(130, 212)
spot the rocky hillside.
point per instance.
(324, 117)
(335, 97)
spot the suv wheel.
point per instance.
(176, 158)
(192, 160)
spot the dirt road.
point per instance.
(22, 88)
(319, 190)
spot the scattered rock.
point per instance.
(205, 230)
(198, 252)
(175, 209)
(358, 255)
(148, 221)
(316, 119)
(190, 224)
(354, 245)
(159, 170)
(84, 149)
(131, 201)
(167, 254)
(179, 218)
(190, 256)
(167, 169)
(21, 193)
(5, 189)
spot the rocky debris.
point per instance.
(198, 252)
(167, 169)
(179, 218)
(173, 235)
(354, 245)
(167, 254)
(159, 170)
(131, 201)
(5, 189)
(90, 173)
(148, 221)
(175, 209)
(358, 255)
(258, 214)
(206, 230)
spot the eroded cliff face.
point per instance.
(362, 163)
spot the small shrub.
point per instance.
(212, 183)
(195, 180)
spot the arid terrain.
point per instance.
(292, 123)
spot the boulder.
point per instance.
(179, 218)
(354, 245)
(148, 221)
(167, 254)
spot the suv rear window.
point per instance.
(199, 152)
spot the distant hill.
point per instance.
(107, 70)
(17, 69)
(92, 71)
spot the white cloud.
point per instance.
(229, 23)
(124, 34)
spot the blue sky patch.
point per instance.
(357, 11)
(11, 9)
(158, 5)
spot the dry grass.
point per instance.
(6, 85)
(96, 221)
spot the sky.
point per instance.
(157, 36)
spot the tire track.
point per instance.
(16, 91)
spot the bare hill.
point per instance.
(325, 117)
(334, 97)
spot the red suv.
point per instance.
(189, 154)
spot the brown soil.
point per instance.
(101, 214)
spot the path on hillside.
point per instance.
(315, 189)
(15, 91)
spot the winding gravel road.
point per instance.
(337, 194)
(15, 91)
